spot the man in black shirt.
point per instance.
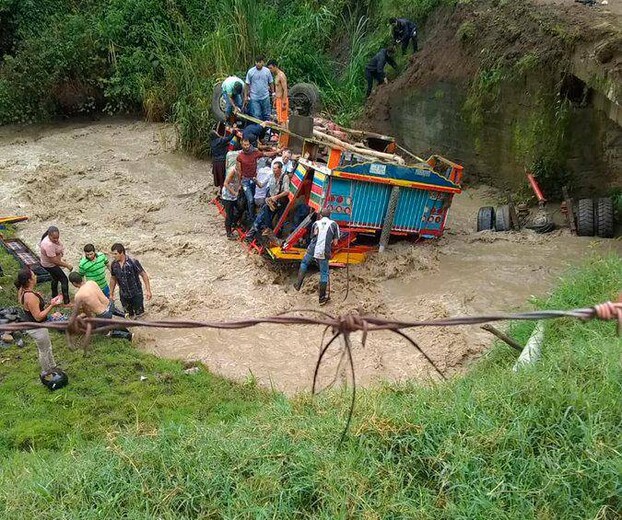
(375, 67)
(219, 146)
(403, 32)
(127, 273)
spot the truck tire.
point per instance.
(604, 217)
(218, 104)
(304, 99)
(503, 221)
(585, 218)
(486, 218)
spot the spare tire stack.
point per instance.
(489, 219)
(595, 217)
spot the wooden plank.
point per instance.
(570, 211)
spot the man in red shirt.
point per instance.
(247, 167)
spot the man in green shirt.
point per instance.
(232, 89)
(93, 267)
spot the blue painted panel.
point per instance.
(419, 210)
(364, 204)
(369, 205)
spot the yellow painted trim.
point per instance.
(296, 254)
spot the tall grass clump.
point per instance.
(541, 443)
(59, 57)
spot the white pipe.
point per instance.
(531, 352)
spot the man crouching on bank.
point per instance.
(325, 234)
(90, 299)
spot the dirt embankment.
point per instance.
(524, 55)
(458, 41)
(120, 180)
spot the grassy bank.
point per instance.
(543, 443)
(115, 388)
(163, 58)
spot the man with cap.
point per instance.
(232, 89)
(404, 31)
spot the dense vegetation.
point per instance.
(164, 56)
(543, 443)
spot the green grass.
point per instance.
(543, 443)
(107, 393)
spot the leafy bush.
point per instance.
(63, 57)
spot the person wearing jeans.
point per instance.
(230, 191)
(258, 89)
(232, 89)
(127, 274)
(278, 188)
(247, 168)
(260, 108)
(325, 233)
(248, 187)
(35, 311)
(52, 251)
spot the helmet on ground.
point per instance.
(54, 379)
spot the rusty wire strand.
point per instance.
(348, 347)
(350, 322)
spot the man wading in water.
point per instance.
(325, 233)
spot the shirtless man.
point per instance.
(90, 299)
(281, 93)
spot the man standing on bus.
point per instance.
(281, 103)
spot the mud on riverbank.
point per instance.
(121, 180)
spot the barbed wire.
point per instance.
(341, 326)
(347, 323)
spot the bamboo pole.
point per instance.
(363, 151)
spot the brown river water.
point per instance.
(122, 180)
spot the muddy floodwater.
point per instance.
(122, 180)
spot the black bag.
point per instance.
(54, 379)
(121, 334)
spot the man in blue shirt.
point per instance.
(404, 31)
(254, 133)
(258, 89)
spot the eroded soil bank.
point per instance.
(504, 86)
(121, 180)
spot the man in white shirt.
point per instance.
(262, 183)
(289, 165)
(325, 234)
(278, 193)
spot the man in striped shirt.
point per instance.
(93, 267)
